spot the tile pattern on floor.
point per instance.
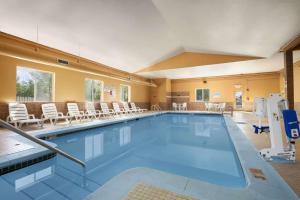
(148, 192)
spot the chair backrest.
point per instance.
(90, 107)
(73, 109)
(206, 105)
(116, 107)
(133, 107)
(210, 105)
(125, 106)
(223, 106)
(104, 108)
(184, 105)
(17, 111)
(49, 110)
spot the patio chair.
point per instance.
(222, 107)
(73, 111)
(127, 109)
(174, 106)
(106, 111)
(90, 110)
(136, 109)
(18, 115)
(117, 109)
(50, 113)
(184, 106)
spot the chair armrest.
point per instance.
(60, 114)
(43, 116)
(98, 111)
(8, 119)
(31, 116)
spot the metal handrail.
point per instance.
(40, 142)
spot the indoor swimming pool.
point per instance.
(196, 146)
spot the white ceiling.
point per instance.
(133, 34)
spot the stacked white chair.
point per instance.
(174, 106)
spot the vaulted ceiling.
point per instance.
(133, 35)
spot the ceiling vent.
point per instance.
(63, 62)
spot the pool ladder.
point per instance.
(40, 142)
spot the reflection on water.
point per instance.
(93, 146)
(125, 135)
(31, 179)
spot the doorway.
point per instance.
(238, 99)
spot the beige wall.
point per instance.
(159, 93)
(251, 86)
(69, 85)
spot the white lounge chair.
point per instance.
(222, 107)
(18, 115)
(184, 106)
(50, 113)
(90, 110)
(206, 106)
(127, 109)
(136, 109)
(73, 111)
(117, 108)
(174, 106)
(106, 111)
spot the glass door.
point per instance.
(238, 99)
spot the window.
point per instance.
(125, 93)
(93, 90)
(34, 85)
(202, 94)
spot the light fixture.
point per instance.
(237, 86)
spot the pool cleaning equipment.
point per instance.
(277, 109)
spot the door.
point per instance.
(238, 99)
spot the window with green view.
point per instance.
(125, 93)
(93, 90)
(34, 85)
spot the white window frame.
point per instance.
(129, 92)
(202, 94)
(102, 89)
(43, 71)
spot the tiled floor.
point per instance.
(148, 192)
(290, 172)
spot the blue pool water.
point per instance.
(194, 146)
